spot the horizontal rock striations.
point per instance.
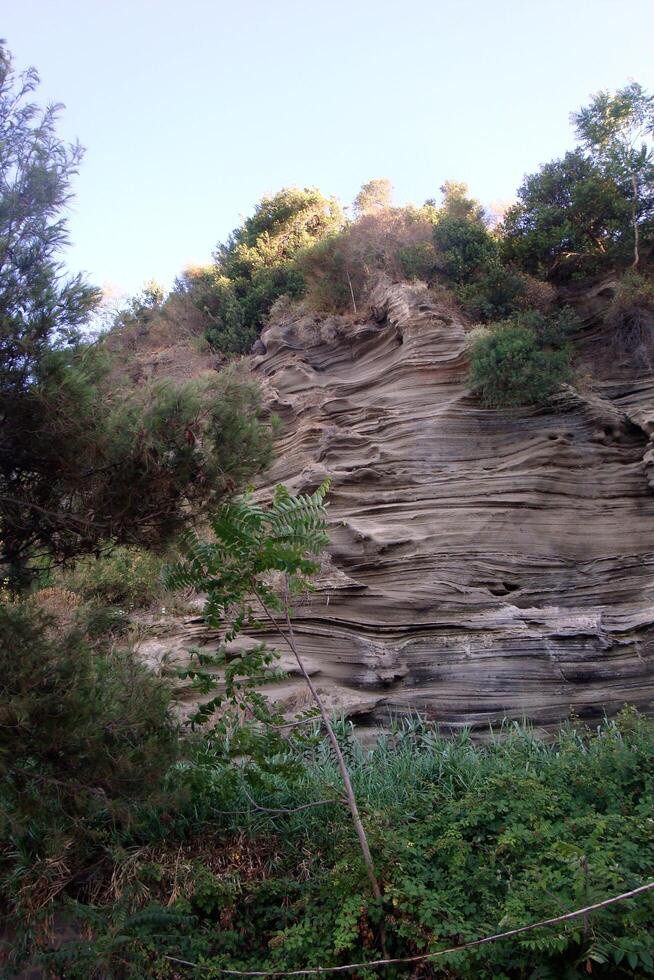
(484, 564)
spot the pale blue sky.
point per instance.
(191, 110)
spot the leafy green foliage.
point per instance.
(256, 265)
(41, 310)
(80, 463)
(471, 838)
(590, 209)
(569, 211)
(127, 467)
(521, 361)
(250, 542)
(618, 130)
(463, 243)
(469, 262)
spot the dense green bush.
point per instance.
(570, 217)
(128, 466)
(464, 247)
(496, 292)
(86, 737)
(468, 840)
(521, 361)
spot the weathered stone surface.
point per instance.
(483, 563)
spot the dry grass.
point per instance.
(169, 346)
(166, 874)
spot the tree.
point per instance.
(590, 208)
(41, 310)
(569, 209)
(464, 246)
(375, 195)
(250, 545)
(82, 465)
(618, 131)
(256, 265)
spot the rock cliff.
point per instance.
(483, 564)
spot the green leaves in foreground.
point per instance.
(250, 544)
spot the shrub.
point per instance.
(418, 260)
(496, 293)
(338, 271)
(86, 737)
(631, 316)
(520, 362)
(91, 463)
(126, 576)
(465, 248)
(257, 265)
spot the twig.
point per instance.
(295, 809)
(423, 956)
(292, 724)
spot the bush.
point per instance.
(86, 738)
(257, 265)
(495, 294)
(464, 246)
(631, 316)
(520, 362)
(127, 577)
(339, 270)
(92, 463)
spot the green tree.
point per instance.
(251, 544)
(41, 309)
(591, 208)
(256, 265)
(463, 243)
(570, 209)
(618, 131)
(80, 464)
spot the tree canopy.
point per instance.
(591, 208)
(255, 266)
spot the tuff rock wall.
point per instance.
(484, 564)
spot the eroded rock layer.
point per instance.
(484, 564)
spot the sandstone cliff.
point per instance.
(483, 564)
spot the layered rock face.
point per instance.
(484, 564)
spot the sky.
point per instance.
(192, 110)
